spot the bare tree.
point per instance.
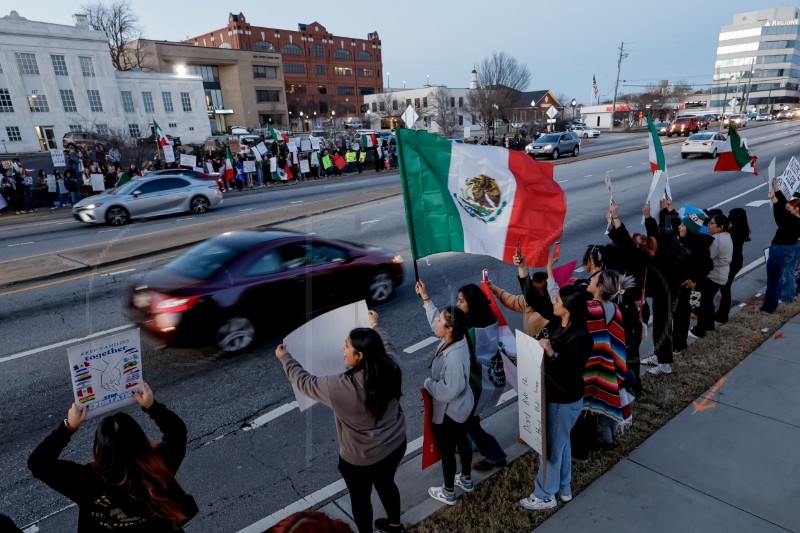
(501, 78)
(443, 112)
(121, 25)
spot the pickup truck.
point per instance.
(684, 126)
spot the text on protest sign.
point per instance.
(188, 160)
(789, 182)
(58, 158)
(98, 182)
(249, 166)
(530, 387)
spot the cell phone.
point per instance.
(557, 250)
(518, 251)
(485, 275)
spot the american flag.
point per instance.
(594, 88)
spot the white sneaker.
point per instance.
(444, 496)
(532, 503)
(564, 497)
(660, 370)
(464, 484)
(652, 360)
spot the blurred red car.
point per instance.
(234, 287)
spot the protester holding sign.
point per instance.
(130, 483)
(784, 251)
(369, 420)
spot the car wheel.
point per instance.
(554, 155)
(575, 151)
(235, 334)
(669, 135)
(117, 216)
(714, 154)
(684, 156)
(200, 205)
(380, 287)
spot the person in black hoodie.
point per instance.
(131, 482)
(739, 230)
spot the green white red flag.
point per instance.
(735, 156)
(369, 140)
(229, 172)
(656, 152)
(278, 136)
(477, 199)
(163, 142)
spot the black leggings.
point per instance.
(359, 481)
(449, 435)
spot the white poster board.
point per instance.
(262, 148)
(58, 158)
(305, 145)
(304, 168)
(317, 345)
(104, 372)
(273, 164)
(532, 407)
(249, 166)
(314, 143)
(188, 160)
(210, 167)
(169, 154)
(51, 184)
(98, 183)
(789, 182)
(466, 131)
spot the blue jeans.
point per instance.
(260, 176)
(780, 255)
(789, 286)
(560, 419)
(487, 444)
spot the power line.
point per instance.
(622, 55)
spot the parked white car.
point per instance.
(708, 144)
(585, 131)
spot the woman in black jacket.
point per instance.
(739, 230)
(782, 251)
(131, 482)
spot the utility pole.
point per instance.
(622, 55)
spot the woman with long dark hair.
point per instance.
(451, 396)
(369, 420)
(130, 484)
(487, 378)
(739, 230)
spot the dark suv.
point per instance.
(84, 139)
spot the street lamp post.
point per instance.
(574, 104)
(302, 124)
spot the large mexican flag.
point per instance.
(477, 199)
(735, 155)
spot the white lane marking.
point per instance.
(33, 528)
(117, 272)
(20, 244)
(107, 230)
(297, 202)
(270, 416)
(562, 181)
(643, 163)
(187, 218)
(63, 343)
(677, 175)
(421, 344)
(371, 221)
(248, 209)
(748, 191)
(790, 142)
(629, 166)
(758, 203)
(588, 176)
(752, 266)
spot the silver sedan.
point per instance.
(148, 197)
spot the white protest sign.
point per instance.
(532, 407)
(262, 148)
(305, 145)
(98, 182)
(314, 143)
(198, 169)
(104, 372)
(169, 154)
(789, 182)
(292, 148)
(658, 187)
(188, 160)
(209, 167)
(58, 158)
(51, 184)
(249, 166)
(304, 168)
(273, 164)
(608, 186)
(317, 345)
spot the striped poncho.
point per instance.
(606, 368)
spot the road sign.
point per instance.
(410, 117)
(733, 102)
(551, 112)
(551, 120)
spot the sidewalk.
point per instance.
(731, 466)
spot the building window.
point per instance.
(394, 105)
(133, 130)
(166, 96)
(261, 71)
(408, 102)
(102, 129)
(209, 73)
(172, 125)
(68, 99)
(13, 133)
(267, 96)
(263, 46)
(341, 53)
(461, 119)
(95, 104)
(363, 91)
(345, 90)
(127, 101)
(374, 107)
(186, 102)
(322, 89)
(38, 103)
(365, 72)
(147, 97)
(87, 67)
(461, 101)
(291, 50)
(75, 127)
(453, 101)
(318, 50)
(59, 65)
(416, 103)
(363, 55)
(340, 71)
(382, 106)
(319, 69)
(5, 102)
(294, 68)
(425, 101)
(27, 63)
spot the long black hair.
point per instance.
(383, 381)
(737, 225)
(573, 298)
(457, 320)
(479, 314)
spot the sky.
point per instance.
(440, 41)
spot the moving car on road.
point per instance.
(703, 144)
(585, 131)
(683, 126)
(85, 139)
(662, 127)
(763, 117)
(554, 145)
(238, 285)
(740, 121)
(148, 197)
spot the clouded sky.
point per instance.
(563, 44)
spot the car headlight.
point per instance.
(548, 146)
(396, 259)
(92, 206)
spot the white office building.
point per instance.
(56, 78)
(758, 63)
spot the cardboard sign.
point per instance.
(326, 162)
(249, 166)
(431, 454)
(209, 167)
(104, 372)
(188, 160)
(304, 167)
(305, 145)
(314, 143)
(789, 182)
(51, 184)
(233, 145)
(262, 148)
(98, 182)
(532, 406)
(58, 158)
(339, 162)
(169, 154)
(210, 146)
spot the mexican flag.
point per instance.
(735, 155)
(369, 140)
(278, 136)
(229, 172)
(477, 199)
(163, 142)
(659, 185)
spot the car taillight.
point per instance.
(706, 144)
(686, 143)
(174, 304)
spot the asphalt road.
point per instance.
(239, 476)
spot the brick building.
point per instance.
(323, 73)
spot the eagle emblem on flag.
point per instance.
(481, 198)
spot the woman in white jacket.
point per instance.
(451, 394)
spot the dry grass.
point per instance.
(493, 506)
